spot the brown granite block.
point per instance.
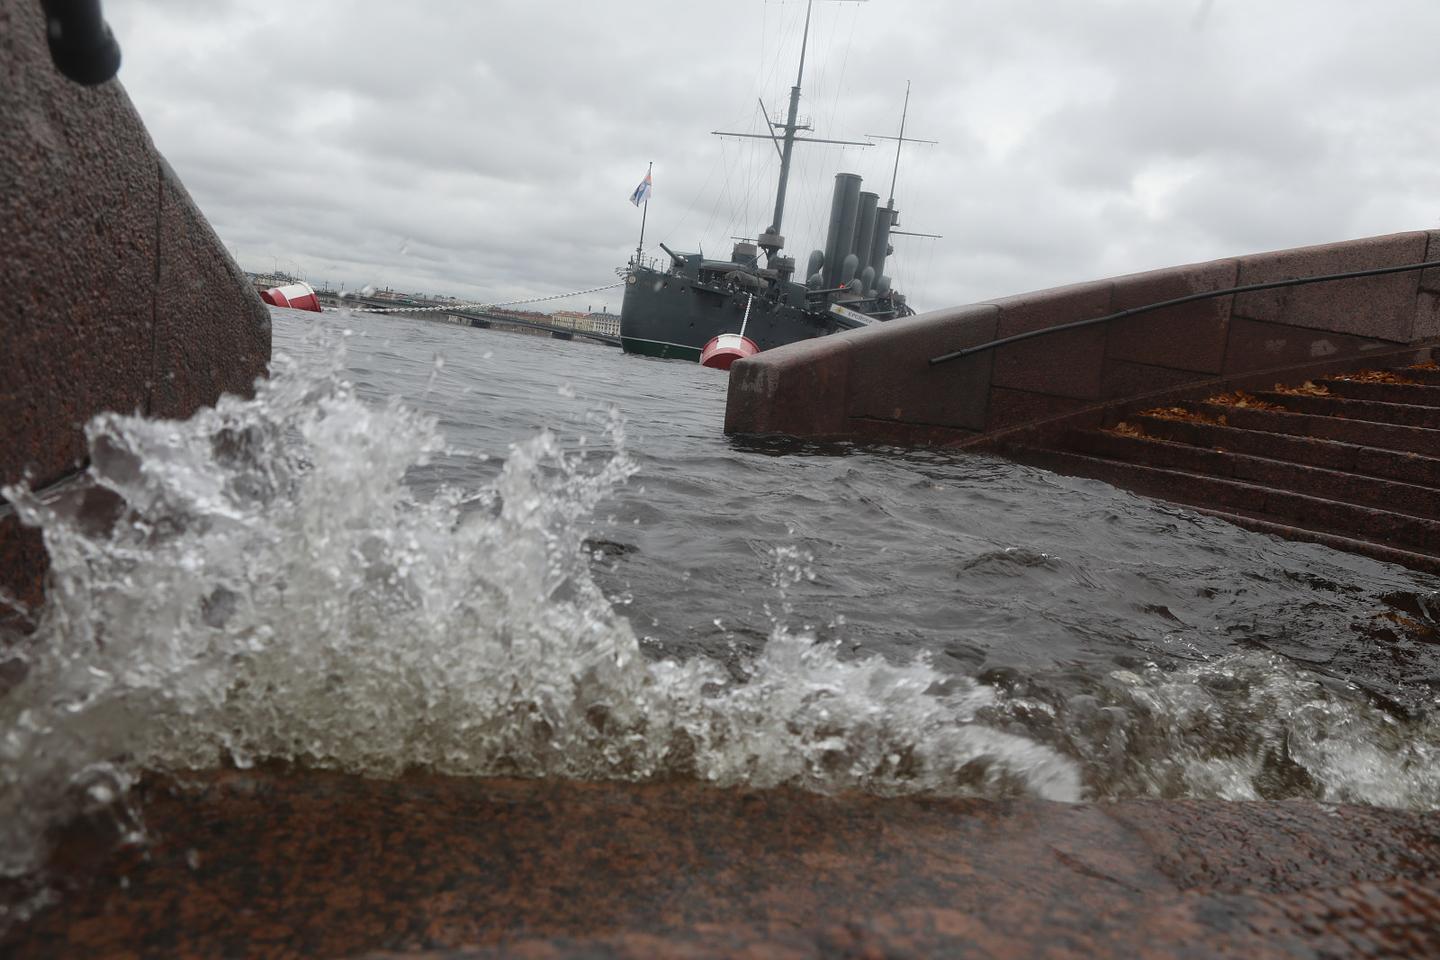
(120, 296)
(1381, 307)
(1430, 279)
(891, 377)
(1187, 337)
(294, 863)
(1366, 920)
(22, 572)
(1069, 364)
(1125, 379)
(904, 433)
(798, 390)
(78, 204)
(1063, 364)
(212, 330)
(1014, 408)
(1321, 846)
(1254, 345)
(1427, 315)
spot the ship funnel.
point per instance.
(844, 208)
(880, 246)
(865, 229)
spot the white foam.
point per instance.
(1249, 726)
(274, 591)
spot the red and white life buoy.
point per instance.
(296, 296)
(725, 349)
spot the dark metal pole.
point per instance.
(899, 142)
(644, 213)
(790, 127)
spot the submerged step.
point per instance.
(1365, 548)
(1386, 527)
(1338, 485)
(1405, 466)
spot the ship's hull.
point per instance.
(673, 317)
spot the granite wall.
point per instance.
(118, 295)
(290, 863)
(878, 384)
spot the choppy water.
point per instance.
(486, 553)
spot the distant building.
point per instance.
(606, 323)
(570, 320)
(584, 322)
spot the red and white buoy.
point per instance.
(725, 349)
(296, 296)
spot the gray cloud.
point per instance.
(486, 150)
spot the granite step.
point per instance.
(1405, 466)
(1383, 527)
(1350, 461)
(1370, 411)
(1345, 486)
(1430, 375)
(1385, 553)
(1389, 436)
(1414, 394)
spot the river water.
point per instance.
(487, 553)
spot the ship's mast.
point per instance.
(790, 128)
(771, 240)
(899, 142)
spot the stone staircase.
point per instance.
(1352, 461)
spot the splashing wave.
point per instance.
(259, 583)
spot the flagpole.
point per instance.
(639, 247)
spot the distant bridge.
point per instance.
(475, 317)
(485, 318)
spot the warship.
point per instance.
(686, 307)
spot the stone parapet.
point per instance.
(119, 295)
(880, 385)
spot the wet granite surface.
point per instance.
(120, 296)
(283, 864)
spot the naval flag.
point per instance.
(642, 192)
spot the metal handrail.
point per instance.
(1206, 295)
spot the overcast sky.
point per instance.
(487, 149)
